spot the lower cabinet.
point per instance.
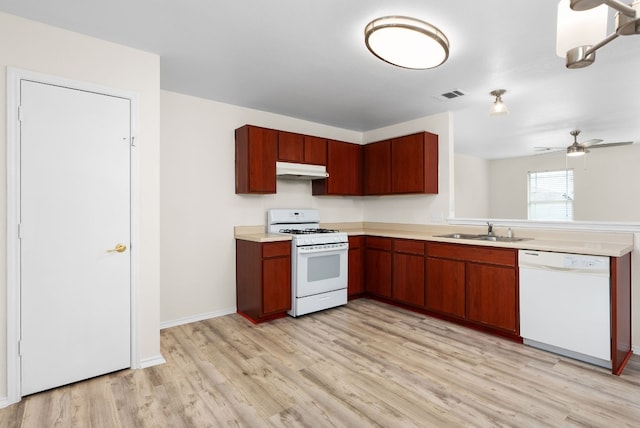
(446, 286)
(263, 279)
(355, 285)
(474, 283)
(377, 271)
(408, 278)
(492, 296)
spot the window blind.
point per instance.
(551, 195)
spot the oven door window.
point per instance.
(323, 267)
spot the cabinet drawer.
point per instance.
(356, 242)
(473, 253)
(379, 243)
(408, 246)
(275, 249)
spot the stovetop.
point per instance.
(309, 231)
(304, 226)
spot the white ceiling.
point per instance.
(307, 59)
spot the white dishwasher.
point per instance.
(565, 304)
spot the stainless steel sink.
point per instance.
(459, 236)
(493, 238)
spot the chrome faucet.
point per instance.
(489, 229)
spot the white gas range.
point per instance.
(319, 260)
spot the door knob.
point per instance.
(120, 248)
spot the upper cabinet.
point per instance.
(300, 148)
(402, 165)
(256, 150)
(315, 150)
(344, 165)
(377, 168)
(414, 163)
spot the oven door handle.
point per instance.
(323, 249)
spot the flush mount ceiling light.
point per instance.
(406, 42)
(498, 108)
(582, 28)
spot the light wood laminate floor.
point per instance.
(366, 364)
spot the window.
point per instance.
(551, 195)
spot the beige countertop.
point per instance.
(612, 244)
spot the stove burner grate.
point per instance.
(307, 231)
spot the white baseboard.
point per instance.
(4, 402)
(635, 350)
(153, 361)
(196, 318)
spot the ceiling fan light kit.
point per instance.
(406, 42)
(579, 149)
(582, 28)
(498, 108)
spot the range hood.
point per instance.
(300, 171)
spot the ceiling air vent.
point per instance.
(455, 93)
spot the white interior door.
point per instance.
(75, 206)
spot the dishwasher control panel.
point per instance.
(563, 261)
(573, 261)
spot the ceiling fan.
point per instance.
(579, 149)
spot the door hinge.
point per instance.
(19, 230)
(20, 348)
(20, 114)
(133, 141)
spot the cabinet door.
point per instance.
(408, 278)
(344, 165)
(276, 284)
(407, 164)
(356, 272)
(290, 147)
(492, 296)
(377, 168)
(256, 151)
(378, 272)
(345, 168)
(446, 286)
(315, 150)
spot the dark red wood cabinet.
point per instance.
(356, 266)
(414, 164)
(290, 147)
(344, 165)
(256, 151)
(446, 286)
(402, 165)
(377, 271)
(301, 148)
(315, 150)
(408, 267)
(377, 168)
(263, 279)
(477, 284)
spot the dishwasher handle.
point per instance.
(603, 272)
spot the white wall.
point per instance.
(36, 47)
(471, 196)
(606, 184)
(200, 208)
(417, 209)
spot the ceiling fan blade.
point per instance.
(621, 143)
(589, 143)
(542, 149)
